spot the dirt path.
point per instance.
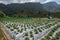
(6, 35)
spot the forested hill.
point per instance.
(25, 10)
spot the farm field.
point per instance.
(54, 34)
(29, 20)
(32, 28)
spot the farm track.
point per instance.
(6, 35)
(2, 36)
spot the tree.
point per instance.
(2, 14)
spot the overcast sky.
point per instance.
(23, 1)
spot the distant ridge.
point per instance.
(30, 9)
(52, 7)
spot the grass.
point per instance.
(15, 19)
(26, 20)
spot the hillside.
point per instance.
(30, 9)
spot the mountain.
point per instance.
(22, 9)
(2, 7)
(31, 9)
(52, 7)
(27, 6)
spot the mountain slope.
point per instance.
(52, 7)
(23, 9)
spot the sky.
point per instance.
(24, 1)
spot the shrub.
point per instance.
(26, 38)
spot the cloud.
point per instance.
(16, 1)
(48, 1)
(5, 1)
(57, 1)
(23, 1)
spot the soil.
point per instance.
(5, 34)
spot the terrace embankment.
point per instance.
(3, 34)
